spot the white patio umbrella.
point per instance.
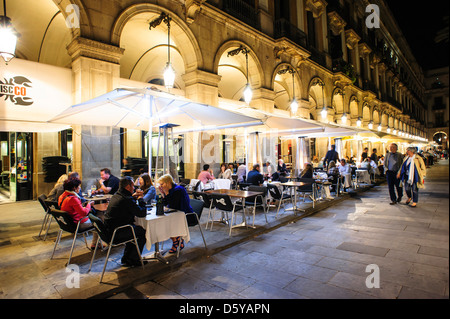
(148, 109)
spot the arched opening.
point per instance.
(233, 70)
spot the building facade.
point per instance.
(436, 84)
(348, 58)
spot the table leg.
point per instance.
(156, 255)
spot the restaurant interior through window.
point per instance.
(16, 166)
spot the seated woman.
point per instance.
(147, 188)
(332, 169)
(70, 202)
(176, 197)
(58, 189)
(307, 171)
(225, 172)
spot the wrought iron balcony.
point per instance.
(242, 11)
(283, 28)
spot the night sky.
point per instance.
(420, 22)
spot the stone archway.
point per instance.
(286, 85)
(233, 70)
(146, 51)
(317, 99)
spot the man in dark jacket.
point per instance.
(331, 155)
(254, 177)
(121, 211)
(392, 164)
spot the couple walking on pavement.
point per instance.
(408, 171)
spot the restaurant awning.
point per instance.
(272, 124)
(141, 108)
(30, 126)
(149, 109)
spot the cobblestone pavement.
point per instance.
(340, 252)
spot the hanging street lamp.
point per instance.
(169, 72)
(8, 37)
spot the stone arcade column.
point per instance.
(95, 71)
(201, 148)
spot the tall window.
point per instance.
(311, 29)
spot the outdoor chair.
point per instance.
(308, 189)
(47, 216)
(206, 199)
(275, 193)
(335, 181)
(257, 201)
(184, 182)
(67, 224)
(244, 186)
(193, 219)
(234, 184)
(224, 204)
(106, 237)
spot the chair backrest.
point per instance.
(41, 199)
(196, 184)
(184, 182)
(205, 198)
(222, 202)
(197, 206)
(308, 187)
(254, 188)
(64, 220)
(101, 228)
(274, 191)
(244, 186)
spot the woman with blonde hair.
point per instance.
(58, 188)
(175, 197)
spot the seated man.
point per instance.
(344, 168)
(346, 172)
(255, 177)
(121, 211)
(108, 183)
(206, 175)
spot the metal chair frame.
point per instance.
(224, 207)
(95, 220)
(280, 197)
(75, 232)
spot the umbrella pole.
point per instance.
(150, 134)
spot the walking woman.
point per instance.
(411, 175)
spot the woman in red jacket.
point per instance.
(70, 202)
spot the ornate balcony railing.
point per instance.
(283, 28)
(242, 11)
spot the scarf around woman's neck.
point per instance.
(412, 167)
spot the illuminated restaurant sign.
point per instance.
(31, 94)
(16, 90)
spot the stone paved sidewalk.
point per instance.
(325, 255)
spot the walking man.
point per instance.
(392, 164)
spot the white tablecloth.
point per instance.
(363, 176)
(161, 228)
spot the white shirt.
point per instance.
(346, 169)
